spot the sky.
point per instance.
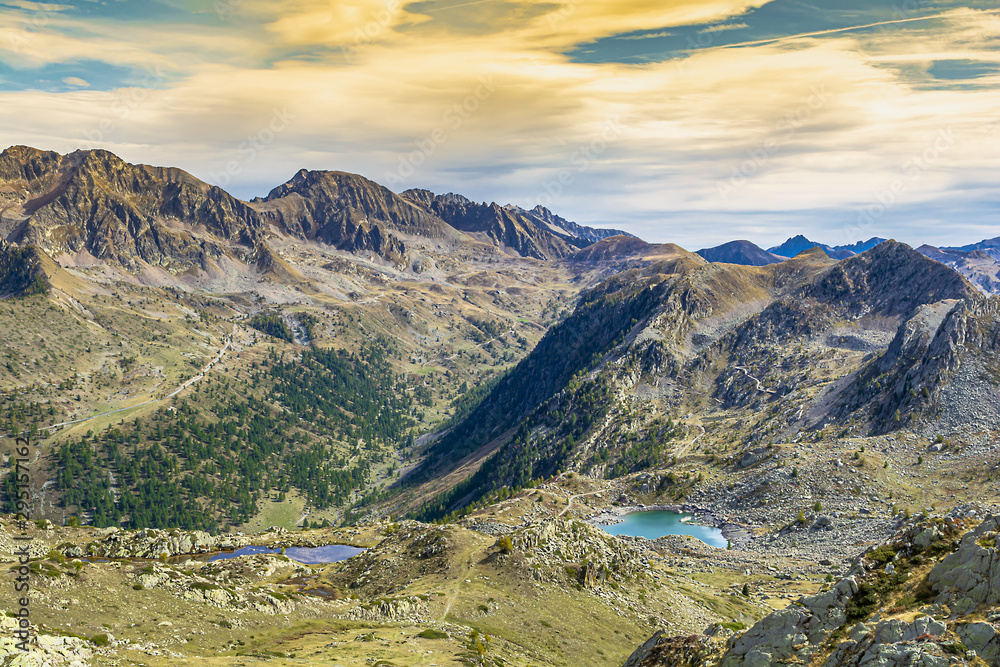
(687, 121)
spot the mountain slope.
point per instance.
(561, 225)
(740, 252)
(127, 215)
(980, 267)
(349, 212)
(672, 335)
(799, 243)
(507, 227)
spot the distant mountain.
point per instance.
(561, 226)
(510, 228)
(797, 244)
(990, 246)
(125, 214)
(980, 266)
(136, 217)
(740, 252)
(862, 246)
(347, 211)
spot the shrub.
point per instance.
(204, 586)
(955, 648)
(882, 554)
(100, 640)
(430, 633)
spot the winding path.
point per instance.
(688, 445)
(579, 495)
(760, 387)
(181, 388)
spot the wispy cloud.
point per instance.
(683, 127)
(35, 6)
(652, 35)
(723, 27)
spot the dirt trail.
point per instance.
(579, 495)
(181, 388)
(760, 387)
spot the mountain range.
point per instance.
(91, 204)
(978, 262)
(469, 393)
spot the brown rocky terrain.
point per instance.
(904, 603)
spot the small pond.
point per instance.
(309, 555)
(658, 523)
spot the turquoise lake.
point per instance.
(659, 523)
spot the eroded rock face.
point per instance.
(983, 638)
(400, 609)
(152, 543)
(970, 576)
(225, 584)
(662, 651)
(793, 632)
(967, 581)
(122, 213)
(894, 642)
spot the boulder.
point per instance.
(983, 638)
(973, 571)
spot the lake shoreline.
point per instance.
(737, 535)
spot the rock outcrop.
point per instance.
(970, 577)
(511, 229)
(124, 214)
(846, 627)
(152, 543)
(43, 650)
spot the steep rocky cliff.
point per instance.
(348, 211)
(508, 227)
(127, 215)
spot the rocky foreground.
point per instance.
(929, 597)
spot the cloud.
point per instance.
(813, 128)
(76, 82)
(653, 35)
(722, 27)
(35, 7)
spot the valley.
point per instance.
(469, 392)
